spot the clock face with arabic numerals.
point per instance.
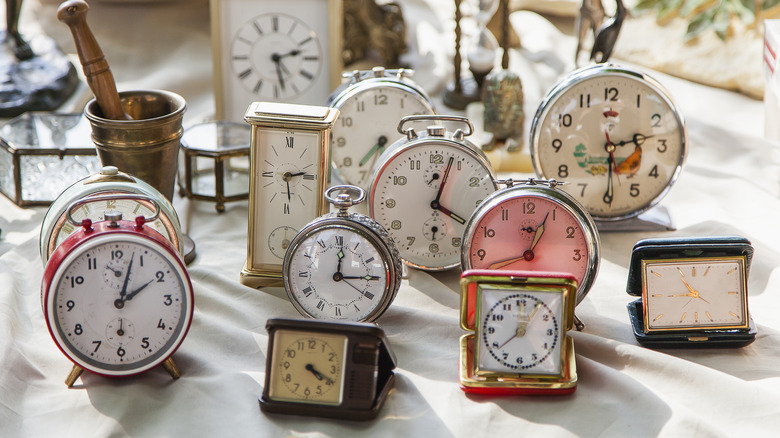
(614, 135)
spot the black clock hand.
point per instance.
(135, 292)
(317, 374)
(454, 216)
(610, 147)
(637, 139)
(276, 58)
(362, 292)
(443, 181)
(120, 302)
(117, 272)
(361, 277)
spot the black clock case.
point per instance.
(677, 247)
(367, 381)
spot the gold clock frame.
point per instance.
(491, 382)
(220, 46)
(280, 116)
(740, 259)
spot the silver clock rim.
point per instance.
(49, 293)
(340, 97)
(368, 229)
(403, 145)
(55, 215)
(587, 73)
(568, 202)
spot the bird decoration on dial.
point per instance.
(517, 342)
(326, 369)
(108, 190)
(371, 103)
(116, 296)
(425, 188)
(342, 265)
(533, 226)
(693, 292)
(289, 160)
(616, 136)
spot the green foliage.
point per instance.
(706, 15)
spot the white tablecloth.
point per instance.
(730, 185)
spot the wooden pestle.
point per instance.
(96, 69)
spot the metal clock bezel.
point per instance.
(609, 69)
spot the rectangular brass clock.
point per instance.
(274, 50)
(289, 157)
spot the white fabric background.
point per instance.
(730, 185)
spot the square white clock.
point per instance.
(274, 50)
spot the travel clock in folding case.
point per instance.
(693, 292)
(342, 266)
(327, 369)
(116, 296)
(289, 170)
(424, 189)
(532, 225)
(371, 103)
(519, 322)
(275, 50)
(108, 190)
(617, 137)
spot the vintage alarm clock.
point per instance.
(289, 170)
(424, 189)
(615, 135)
(108, 190)
(342, 265)
(327, 369)
(518, 323)
(693, 292)
(116, 296)
(533, 225)
(371, 104)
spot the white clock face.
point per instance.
(119, 304)
(368, 125)
(617, 139)
(691, 293)
(287, 192)
(520, 331)
(337, 273)
(276, 56)
(424, 194)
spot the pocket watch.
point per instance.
(518, 322)
(342, 265)
(615, 135)
(289, 160)
(533, 226)
(327, 369)
(425, 188)
(693, 292)
(371, 104)
(109, 190)
(116, 296)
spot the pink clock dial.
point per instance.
(528, 229)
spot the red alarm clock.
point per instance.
(117, 297)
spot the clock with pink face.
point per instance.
(533, 227)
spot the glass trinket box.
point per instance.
(43, 153)
(214, 163)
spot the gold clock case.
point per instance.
(740, 259)
(278, 116)
(490, 382)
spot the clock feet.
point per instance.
(75, 373)
(171, 368)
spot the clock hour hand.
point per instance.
(317, 374)
(446, 211)
(380, 144)
(137, 291)
(694, 293)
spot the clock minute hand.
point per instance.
(380, 143)
(317, 374)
